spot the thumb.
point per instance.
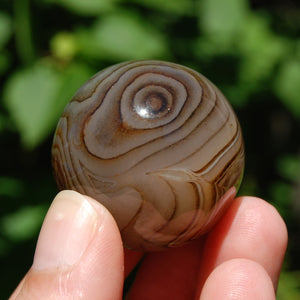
(79, 254)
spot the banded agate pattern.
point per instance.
(157, 144)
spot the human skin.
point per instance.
(79, 255)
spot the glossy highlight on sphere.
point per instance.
(156, 143)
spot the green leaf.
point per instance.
(35, 98)
(24, 223)
(180, 7)
(86, 7)
(122, 36)
(222, 20)
(72, 78)
(289, 167)
(289, 286)
(5, 29)
(11, 187)
(287, 86)
(260, 50)
(29, 97)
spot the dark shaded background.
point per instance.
(48, 48)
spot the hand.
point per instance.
(79, 255)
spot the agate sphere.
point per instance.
(158, 145)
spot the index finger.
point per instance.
(251, 229)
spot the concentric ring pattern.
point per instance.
(155, 142)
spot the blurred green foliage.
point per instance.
(48, 48)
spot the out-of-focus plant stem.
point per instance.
(23, 33)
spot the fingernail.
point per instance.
(66, 232)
